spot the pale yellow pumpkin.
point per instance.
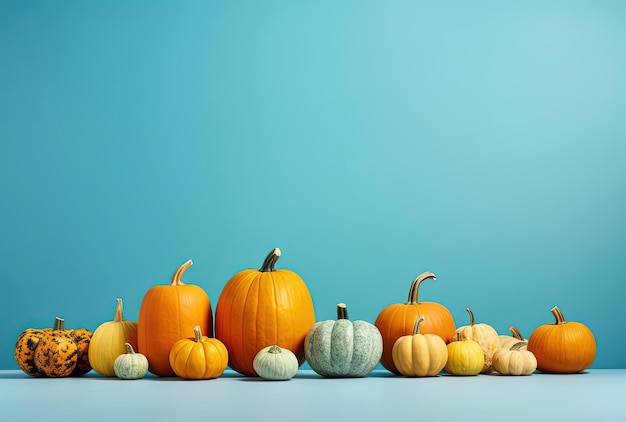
(109, 341)
(507, 342)
(419, 355)
(485, 335)
(514, 361)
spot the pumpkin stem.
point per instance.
(119, 311)
(59, 324)
(274, 349)
(516, 333)
(198, 333)
(519, 345)
(177, 278)
(471, 314)
(129, 349)
(416, 327)
(416, 284)
(270, 261)
(560, 319)
(342, 311)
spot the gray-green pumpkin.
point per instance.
(343, 348)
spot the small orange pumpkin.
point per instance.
(263, 307)
(167, 314)
(565, 347)
(396, 320)
(199, 358)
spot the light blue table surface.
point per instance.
(595, 395)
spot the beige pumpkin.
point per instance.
(507, 342)
(485, 335)
(514, 361)
(419, 355)
(109, 341)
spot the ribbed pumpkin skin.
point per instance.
(261, 308)
(420, 355)
(109, 341)
(343, 348)
(167, 314)
(198, 358)
(397, 320)
(566, 347)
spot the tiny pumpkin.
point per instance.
(484, 334)
(109, 341)
(563, 347)
(275, 363)
(343, 348)
(514, 361)
(420, 355)
(465, 357)
(199, 358)
(130, 365)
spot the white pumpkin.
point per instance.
(274, 363)
(130, 365)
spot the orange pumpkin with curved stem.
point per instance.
(199, 358)
(565, 347)
(167, 314)
(398, 320)
(258, 308)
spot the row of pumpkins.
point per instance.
(265, 326)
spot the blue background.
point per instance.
(369, 140)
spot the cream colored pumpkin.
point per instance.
(419, 355)
(131, 365)
(514, 361)
(275, 363)
(108, 341)
(507, 342)
(485, 335)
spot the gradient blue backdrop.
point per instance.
(369, 140)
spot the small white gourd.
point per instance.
(131, 365)
(274, 363)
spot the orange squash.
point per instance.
(167, 314)
(398, 320)
(565, 347)
(199, 358)
(258, 308)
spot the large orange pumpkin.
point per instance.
(398, 320)
(168, 314)
(260, 308)
(563, 347)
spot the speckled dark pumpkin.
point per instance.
(82, 338)
(53, 352)
(24, 352)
